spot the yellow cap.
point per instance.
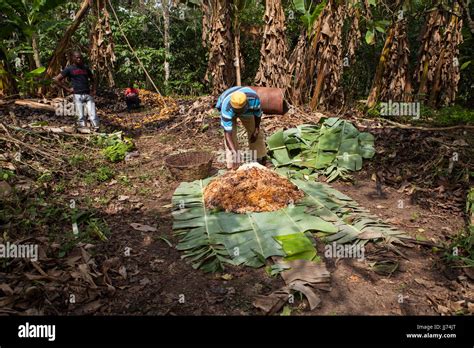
(238, 100)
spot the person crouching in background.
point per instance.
(131, 98)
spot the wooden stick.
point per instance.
(399, 125)
(34, 105)
(425, 243)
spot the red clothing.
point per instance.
(131, 90)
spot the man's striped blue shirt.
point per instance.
(228, 114)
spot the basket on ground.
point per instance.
(190, 166)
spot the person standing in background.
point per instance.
(81, 78)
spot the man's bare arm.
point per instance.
(59, 80)
(232, 148)
(229, 141)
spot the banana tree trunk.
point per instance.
(102, 54)
(317, 63)
(206, 17)
(220, 72)
(392, 80)
(447, 73)
(428, 55)
(328, 51)
(296, 68)
(273, 67)
(438, 72)
(376, 85)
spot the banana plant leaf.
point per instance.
(333, 147)
(355, 224)
(210, 239)
(297, 247)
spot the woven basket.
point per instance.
(189, 166)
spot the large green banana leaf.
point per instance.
(335, 146)
(209, 239)
(297, 246)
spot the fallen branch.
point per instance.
(45, 130)
(399, 125)
(185, 120)
(5, 129)
(404, 126)
(426, 243)
(35, 105)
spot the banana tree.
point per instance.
(323, 60)
(25, 16)
(391, 80)
(438, 71)
(297, 91)
(102, 56)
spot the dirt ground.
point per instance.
(154, 280)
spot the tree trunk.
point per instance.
(324, 59)
(102, 46)
(318, 64)
(354, 35)
(166, 25)
(297, 68)
(220, 70)
(58, 58)
(438, 72)
(206, 17)
(34, 45)
(392, 81)
(273, 68)
(376, 84)
(7, 83)
(237, 50)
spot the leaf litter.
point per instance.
(74, 284)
